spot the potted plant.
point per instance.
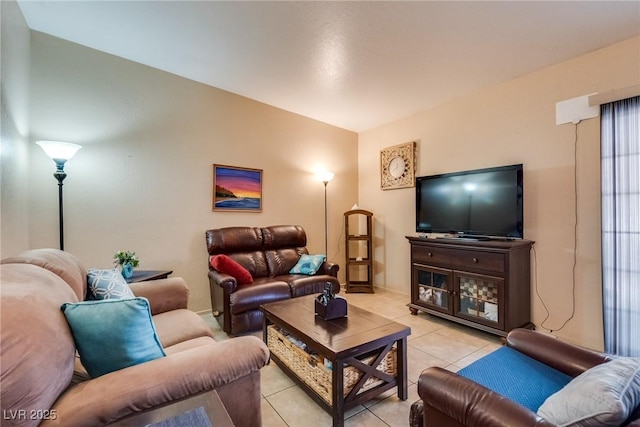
(126, 261)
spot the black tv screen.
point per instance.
(481, 202)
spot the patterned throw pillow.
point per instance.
(107, 284)
(113, 334)
(308, 264)
(604, 395)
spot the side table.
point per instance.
(145, 275)
(209, 401)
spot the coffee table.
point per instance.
(362, 343)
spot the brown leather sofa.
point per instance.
(448, 399)
(43, 382)
(268, 254)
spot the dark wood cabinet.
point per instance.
(482, 284)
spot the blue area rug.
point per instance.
(193, 418)
(516, 376)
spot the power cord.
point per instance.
(535, 286)
(337, 244)
(575, 243)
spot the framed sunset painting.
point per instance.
(237, 189)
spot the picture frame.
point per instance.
(237, 189)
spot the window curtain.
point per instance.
(620, 139)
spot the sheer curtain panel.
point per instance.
(620, 139)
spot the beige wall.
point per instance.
(143, 179)
(14, 96)
(514, 123)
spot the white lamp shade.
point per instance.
(59, 150)
(325, 176)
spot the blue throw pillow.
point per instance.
(308, 264)
(113, 334)
(107, 284)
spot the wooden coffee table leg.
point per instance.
(401, 368)
(265, 324)
(337, 393)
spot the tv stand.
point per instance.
(482, 284)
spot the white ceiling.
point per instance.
(356, 65)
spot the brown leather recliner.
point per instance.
(448, 399)
(268, 254)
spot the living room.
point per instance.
(143, 179)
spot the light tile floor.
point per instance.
(433, 342)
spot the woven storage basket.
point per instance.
(315, 374)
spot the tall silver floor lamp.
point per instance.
(60, 152)
(325, 177)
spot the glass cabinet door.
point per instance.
(433, 288)
(478, 298)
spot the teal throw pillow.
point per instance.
(113, 334)
(308, 264)
(107, 284)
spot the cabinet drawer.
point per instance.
(431, 256)
(477, 260)
(460, 258)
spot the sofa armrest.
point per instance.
(163, 294)
(118, 394)
(568, 358)
(450, 399)
(329, 268)
(225, 281)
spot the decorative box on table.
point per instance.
(328, 306)
(335, 308)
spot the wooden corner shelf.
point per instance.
(358, 231)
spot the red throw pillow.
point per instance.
(225, 264)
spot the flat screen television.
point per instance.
(475, 203)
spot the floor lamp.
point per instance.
(325, 177)
(60, 152)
